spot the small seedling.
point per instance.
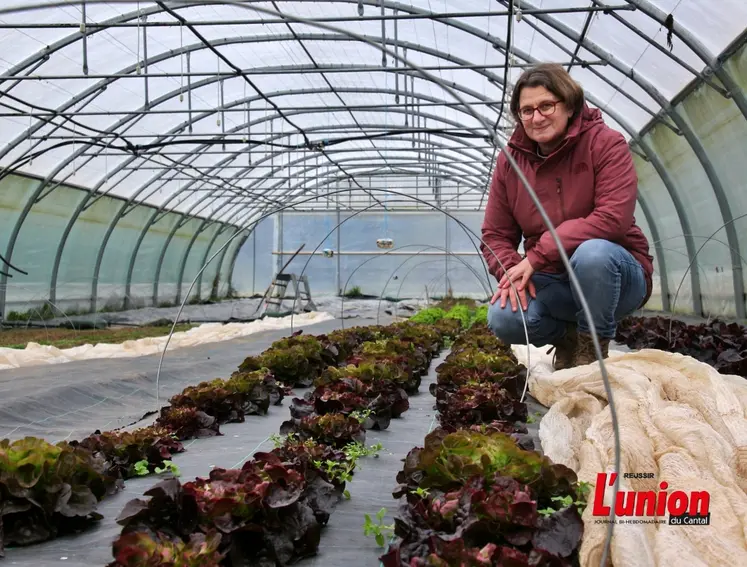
(568, 501)
(168, 466)
(361, 415)
(378, 530)
(141, 468)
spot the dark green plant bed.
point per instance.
(477, 494)
(209, 521)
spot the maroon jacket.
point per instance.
(588, 186)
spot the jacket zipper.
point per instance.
(560, 195)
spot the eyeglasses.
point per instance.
(545, 109)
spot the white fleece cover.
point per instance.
(678, 418)
(36, 355)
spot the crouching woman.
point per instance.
(582, 171)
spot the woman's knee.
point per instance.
(596, 252)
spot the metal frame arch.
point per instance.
(188, 216)
(243, 240)
(663, 277)
(206, 224)
(692, 139)
(194, 155)
(679, 208)
(177, 128)
(232, 261)
(326, 37)
(230, 40)
(234, 220)
(303, 186)
(120, 214)
(104, 83)
(220, 231)
(97, 89)
(714, 64)
(206, 115)
(306, 157)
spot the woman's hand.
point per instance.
(521, 276)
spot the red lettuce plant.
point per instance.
(121, 450)
(379, 401)
(295, 360)
(149, 549)
(480, 403)
(506, 506)
(267, 513)
(473, 366)
(448, 460)
(231, 400)
(334, 429)
(188, 422)
(722, 345)
(48, 490)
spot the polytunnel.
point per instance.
(292, 196)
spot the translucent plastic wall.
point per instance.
(416, 262)
(684, 202)
(73, 254)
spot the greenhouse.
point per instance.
(373, 283)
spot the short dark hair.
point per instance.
(555, 79)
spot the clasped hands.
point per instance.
(521, 276)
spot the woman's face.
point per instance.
(546, 125)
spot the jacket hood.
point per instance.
(587, 119)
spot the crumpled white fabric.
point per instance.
(678, 418)
(35, 354)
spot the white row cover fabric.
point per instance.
(38, 355)
(678, 419)
(93, 67)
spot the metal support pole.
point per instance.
(446, 256)
(84, 31)
(145, 64)
(185, 257)
(279, 235)
(232, 261)
(666, 303)
(189, 92)
(338, 253)
(205, 256)
(254, 261)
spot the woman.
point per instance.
(583, 174)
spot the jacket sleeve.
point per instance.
(615, 193)
(501, 233)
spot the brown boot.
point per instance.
(565, 349)
(585, 353)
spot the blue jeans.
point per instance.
(612, 280)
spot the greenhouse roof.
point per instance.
(222, 109)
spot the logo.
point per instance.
(690, 509)
(581, 167)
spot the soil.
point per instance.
(68, 338)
